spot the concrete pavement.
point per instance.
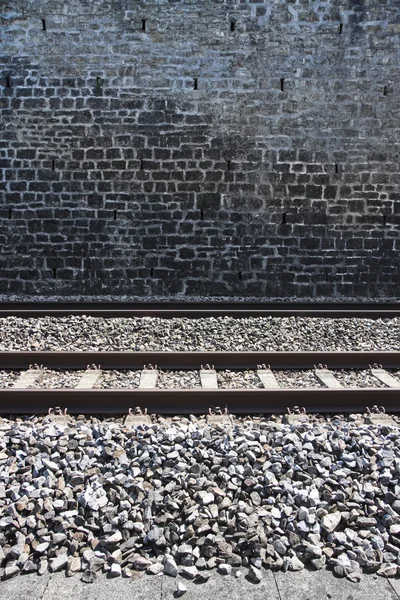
(303, 585)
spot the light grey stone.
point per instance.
(58, 563)
(170, 567)
(330, 521)
(224, 569)
(180, 588)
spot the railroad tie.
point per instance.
(59, 416)
(296, 416)
(208, 379)
(385, 377)
(27, 378)
(89, 379)
(148, 379)
(380, 418)
(137, 418)
(327, 378)
(268, 379)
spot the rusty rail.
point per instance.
(196, 310)
(194, 360)
(197, 401)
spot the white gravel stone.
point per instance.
(42, 566)
(155, 569)
(115, 570)
(331, 521)
(295, 564)
(180, 589)
(114, 538)
(224, 569)
(388, 570)
(58, 563)
(208, 499)
(189, 572)
(10, 571)
(255, 574)
(170, 567)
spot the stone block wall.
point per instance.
(181, 148)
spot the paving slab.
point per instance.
(223, 587)
(24, 587)
(395, 584)
(121, 588)
(303, 585)
(323, 585)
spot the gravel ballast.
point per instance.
(57, 379)
(112, 379)
(8, 378)
(178, 380)
(224, 333)
(358, 379)
(238, 380)
(181, 498)
(297, 379)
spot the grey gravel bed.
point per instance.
(360, 378)
(57, 379)
(7, 378)
(110, 379)
(223, 333)
(178, 379)
(182, 498)
(297, 379)
(238, 379)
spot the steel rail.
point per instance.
(196, 310)
(195, 360)
(197, 401)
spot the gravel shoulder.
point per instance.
(186, 499)
(224, 333)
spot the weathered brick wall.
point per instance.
(200, 147)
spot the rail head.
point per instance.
(202, 309)
(197, 401)
(194, 360)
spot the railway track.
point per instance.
(97, 460)
(196, 310)
(271, 398)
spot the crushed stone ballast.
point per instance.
(180, 498)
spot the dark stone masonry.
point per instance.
(178, 148)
